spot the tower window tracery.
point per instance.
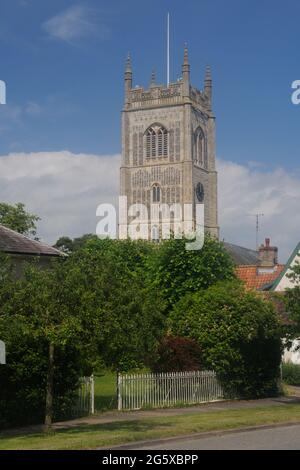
(156, 142)
(156, 193)
(199, 147)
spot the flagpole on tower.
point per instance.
(168, 49)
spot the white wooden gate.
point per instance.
(86, 397)
(136, 391)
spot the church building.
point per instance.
(168, 149)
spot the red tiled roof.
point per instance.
(256, 277)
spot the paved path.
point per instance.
(115, 416)
(278, 438)
(293, 390)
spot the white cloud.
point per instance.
(76, 22)
(246, 190)
(65, 190)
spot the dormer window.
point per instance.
(156, 142)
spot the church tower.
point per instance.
(168, 147)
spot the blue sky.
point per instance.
(65, 87)
(63, 64)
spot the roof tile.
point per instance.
(254, 279)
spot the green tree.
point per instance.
(93, 306)
(176, 271)
(292, 304)
(125, 311)
(18, 219)
(39, 307)
(68, 245)
(238, 333)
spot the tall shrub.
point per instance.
(239, 336)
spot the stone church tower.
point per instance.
(168, 147)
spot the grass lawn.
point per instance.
(105, 435)
(105, 391)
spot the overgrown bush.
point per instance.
(239, 335)
(291, 373)
(23, 378)
(176, 354)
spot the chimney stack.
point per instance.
(268, 255)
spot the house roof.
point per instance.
(288, 265)
(15, 243)
(241, 255)
(256, 277)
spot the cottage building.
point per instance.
(260, 269)
(265, 274)
(280, 284)
(21, 249)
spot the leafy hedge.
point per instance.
(291, 373)
(239, 335)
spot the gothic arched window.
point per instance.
(156, 141)
(155, 233)
(156, 193)
(199, 147)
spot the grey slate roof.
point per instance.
(15, 243)
(242, 256)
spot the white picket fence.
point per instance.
(86, 397)
(136, 391)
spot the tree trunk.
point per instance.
(49, 390)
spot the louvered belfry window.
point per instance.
(156, 142)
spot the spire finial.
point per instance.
(208, 74)
(186, 73)
(208, 85)
(128, 80)
(128, 63)
(153, 78)
(186, 55)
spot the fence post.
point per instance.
(92, 394)
(119, 392)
